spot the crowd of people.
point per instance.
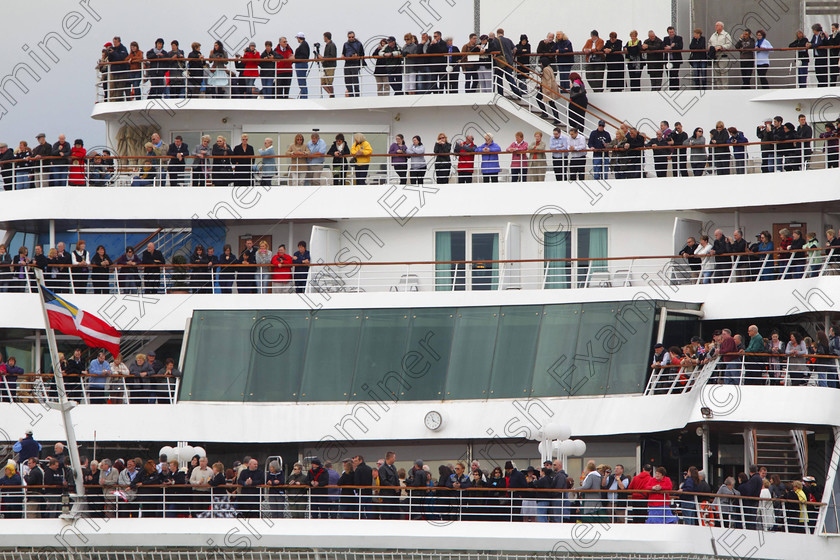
(792, 255)
(256, 269)
(54, 165)
(567, 154)
(434, 62)
(753, 359)
(145, 380)
(460, 491)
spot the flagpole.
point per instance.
(64, 405)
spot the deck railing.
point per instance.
(432, 504)
(464, 72)
(776, 369)
(426, 276)
(90, 389)
(461, 165)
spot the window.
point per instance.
(192, 138)
(588, 243)
(466, 246)
(355, 355)
(557, 245)
(592, 244)
(450, 246)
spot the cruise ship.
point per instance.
(485, 319)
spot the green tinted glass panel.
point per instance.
(471, 360)
(381, 350)
(553, 369)
(418, 354)
(279, 342)
(631, 339)
(220, 348)
(516, 343)
(429, 347)
(590, 377)
(331, 355)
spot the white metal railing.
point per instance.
(677, 379)
(454, 73)
(432, 504)
(779, 369)
(747, 369)
(90, 389)
(537, 274)
(458, 166)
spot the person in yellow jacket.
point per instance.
(803, 512)
(361, 151)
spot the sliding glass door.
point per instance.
(558, 245)
(588, 243)
(454, 247)
(592, 244)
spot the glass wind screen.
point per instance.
(418, 354)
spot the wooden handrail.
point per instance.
(784, 253)
(585, 109)
(94, 376)
(459, 53)
(739, 354)
(305, 487)
(167, 158)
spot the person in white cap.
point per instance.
(302, 63)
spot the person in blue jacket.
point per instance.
(27, 447)
(489, 160)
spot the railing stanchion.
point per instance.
(826, 260)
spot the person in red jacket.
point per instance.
(638, 500)
(77, 163)
(251, 71)
(659, 508)
(281, 271)
(466, 159)
(284, 69)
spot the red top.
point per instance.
(284, 65)
(280, 271)
(252, 60)
(658, 500)
(466, 160)
(785, 244)
(77, 166)
(638, 483)
(727, 345)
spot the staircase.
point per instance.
(168, 241)
(132, 344)
(782, 452)
(528, 101)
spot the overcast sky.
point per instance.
(60, 41)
